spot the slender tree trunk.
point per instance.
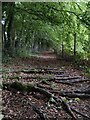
(33, 42)
(0, 45)
(4, 36)
(10, 27)
(74, 45)
(62, 49)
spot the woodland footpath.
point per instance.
(45, 60)
(44, 87)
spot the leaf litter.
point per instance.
(34, 105)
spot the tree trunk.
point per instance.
(4, 36)
(74, 45)
(62, 49)
(0, 40)
(10, 28)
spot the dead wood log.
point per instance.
(31, 88)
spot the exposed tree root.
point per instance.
(66, 78)
(87, 91)
(80, 80)
(41, 86)
(30, 88)
(85, 116)
(17, 86)
(69, 81)
(43, 71)
(38, 70)
(46, 68)
(63, 82)
(74, 95)
(39, 112)
(6, 118)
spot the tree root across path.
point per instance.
(18, 86)
(43, 71)
(75, 79)
(39, 112)
(73, 94)
(56, 78)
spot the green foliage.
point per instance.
(77, 99)
(44, 26)
(6, 59)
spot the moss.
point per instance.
(18, 86)
(29, 88)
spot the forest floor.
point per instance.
(51, 75)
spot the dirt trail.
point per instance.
(51, 74)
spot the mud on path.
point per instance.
(52, 75)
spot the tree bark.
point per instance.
(62, 49)
(74, 45)
(10, 27)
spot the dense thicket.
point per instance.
(62, 27)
